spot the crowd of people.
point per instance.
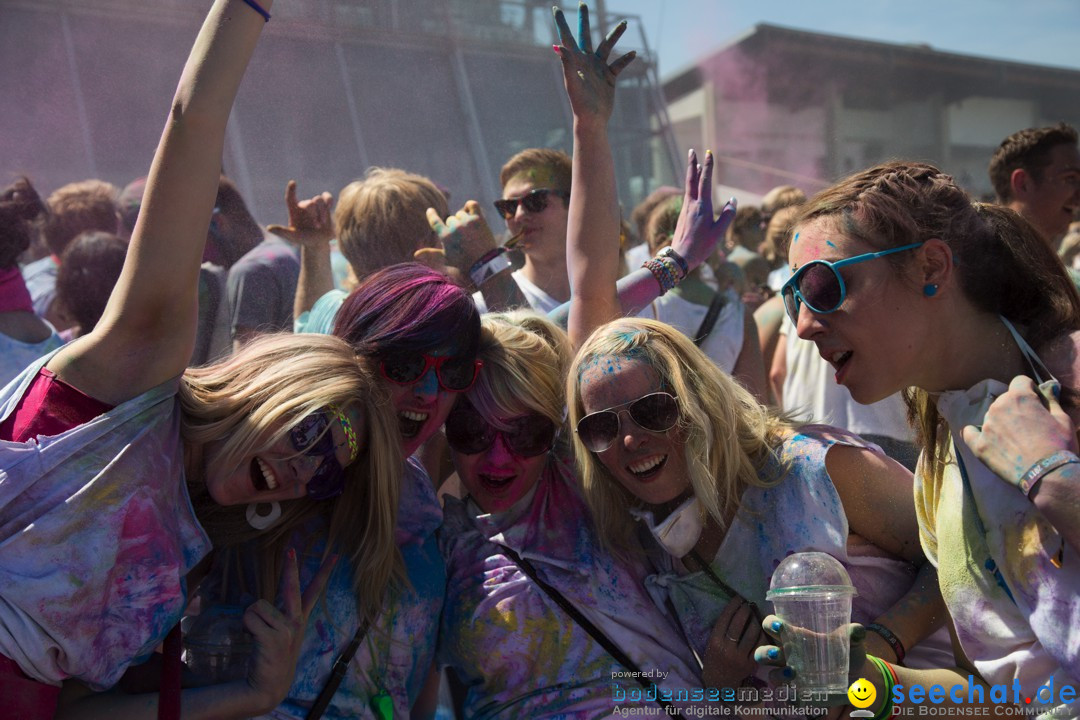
(423, 473)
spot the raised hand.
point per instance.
(589, 79)
(697, 232)
(279, 634)
(465, 237)
(311, 223)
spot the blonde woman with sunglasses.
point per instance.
(118, 470)
(667, 442)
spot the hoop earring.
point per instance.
(929, 290)
(262, 522)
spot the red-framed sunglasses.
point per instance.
(455, 374)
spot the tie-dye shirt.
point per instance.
(96, 535)
(1022, 623)
(399, 648)
(519, 654)
(802, 513)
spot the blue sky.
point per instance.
(1044, 32)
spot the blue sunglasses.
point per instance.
(819, 284)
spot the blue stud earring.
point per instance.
(929, 290)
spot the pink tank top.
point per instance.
(49, 407)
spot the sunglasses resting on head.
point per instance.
(455, 374)
(819, 284)
(468, 433)
(533, 202)
(656, 412)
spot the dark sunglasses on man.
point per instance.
(468, 433)
(455, 374)
(534, 201)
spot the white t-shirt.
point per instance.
(538, 300)
(725, 340)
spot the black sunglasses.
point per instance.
(468, 433)
(533, 202)
(655, 412)
(312, 436)
(455, 374)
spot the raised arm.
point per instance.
(147, 332)
(696, 236)
(311, 226)
(592, 237)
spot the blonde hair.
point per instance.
(525, 357)
(556, 161)
(730, 439)
(381, 220)
(778, 235)
(252, 400)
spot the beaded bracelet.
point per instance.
(258, 8)
(888, 678)
(1035, 473)
(890, 637)
(684, 267)
(662, 273)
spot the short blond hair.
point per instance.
(252, 400)
(559, 163)
(731, 439)
(381, 220)
(80, 207)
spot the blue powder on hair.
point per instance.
(628, 336)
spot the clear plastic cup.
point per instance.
(811, 593)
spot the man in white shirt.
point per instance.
(535, 202)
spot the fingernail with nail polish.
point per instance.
(788, 672)
(777, 625)
(773, 653)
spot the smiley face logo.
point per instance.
(861, 694)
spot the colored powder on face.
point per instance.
(795, 239)
(830, 243)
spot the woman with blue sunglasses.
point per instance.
(903, 282)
